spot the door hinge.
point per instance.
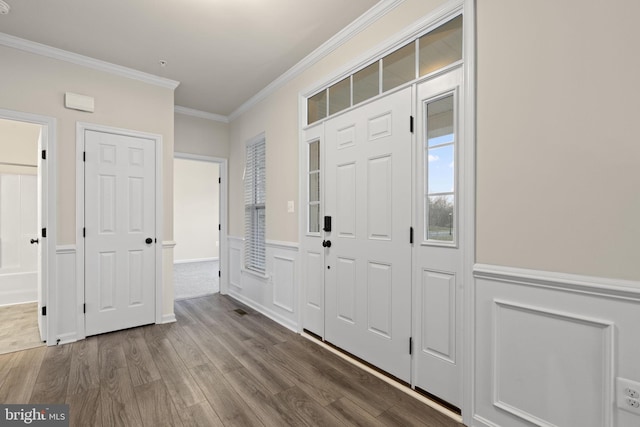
(84, 308)
(219, 273)
(44, 232)
(84, 232)
(219, 180)
(411, 124)
(44, 310)
(219, 227)
(410, 345)
(411, 235)
(84, 156)
(44, 154)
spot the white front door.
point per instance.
(440, 237)
(368, 265)
(120, 231)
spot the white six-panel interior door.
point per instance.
(119, 231)
(372, 291)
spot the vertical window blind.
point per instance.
(254, 206)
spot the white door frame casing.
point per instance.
(469, 128)
(224, 270)
(49, 200)
(81, 127)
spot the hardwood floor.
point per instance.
(213, 367)
(19, 327)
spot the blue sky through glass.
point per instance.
(441, 168)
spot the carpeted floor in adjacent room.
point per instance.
(195, 279)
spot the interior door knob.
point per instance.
(326, 243)
(35, 241)
(148, 240)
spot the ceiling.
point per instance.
(221, 51)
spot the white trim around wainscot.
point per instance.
(598, 286)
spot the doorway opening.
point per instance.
(20, 222)
(197, 226)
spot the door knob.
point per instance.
(148, 240)
(35, 241)
(326, 243)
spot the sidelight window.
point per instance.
(440, 170)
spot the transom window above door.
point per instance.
(424, 55)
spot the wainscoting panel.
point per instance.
(68, 304)
(549, 347)
(284, 274)
(274, 293)
(235, 262)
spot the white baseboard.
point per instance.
(187, 261)
(168, 318)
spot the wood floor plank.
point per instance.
(413, 412)
(186, 348)
(83, 373)
(229, 406)
(141, 366)
(117, 398)
(6, 363)
(200, 414)
(306, 377)
(303, 409)
(19, 328)
(155, 405)
(53, 378)
(370, 393)
(351, 414)
(213, 349)
(181, 385)
(84, 408)
(257, 397)
(18, 385)
(265, 372)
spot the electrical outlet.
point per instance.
(628, 395)
(290, 206)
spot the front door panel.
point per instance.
(368, 265)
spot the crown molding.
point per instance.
(340, 38)
(200, 114)
(85, 61)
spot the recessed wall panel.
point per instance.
(543, 357)
(379, 200)
(107, 274)
(379, 298)
(314, 280)
(346, 289)
(346, 200)
(136, 268)
(235, 266)
(438, 314)
(107, 199)
(283, 282)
